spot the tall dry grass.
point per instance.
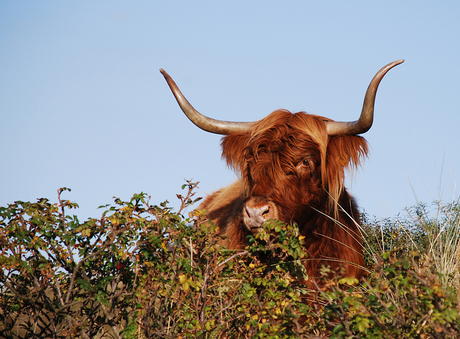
(433, 230)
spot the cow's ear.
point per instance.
(346, 151)
(233, 149)
(343, 152)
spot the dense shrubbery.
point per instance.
(144, 271)
(403, 298)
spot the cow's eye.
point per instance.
(305, 163)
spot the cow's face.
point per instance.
(280, 164)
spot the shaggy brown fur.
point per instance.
(288, 161)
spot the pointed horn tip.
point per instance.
(397, 62)
(389, 66)
(167, 77)
(165, 74)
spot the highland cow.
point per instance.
(291, 168)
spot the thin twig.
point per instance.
(232, 257)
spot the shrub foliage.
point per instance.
(145, 271)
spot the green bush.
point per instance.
(145, 271)
(402, 298)
(64, 278)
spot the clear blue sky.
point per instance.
(83, 105)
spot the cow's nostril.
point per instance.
(266, 213)
(246, 213)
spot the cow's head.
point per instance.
(291, 164)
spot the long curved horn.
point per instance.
(202, 121)
(364, 122)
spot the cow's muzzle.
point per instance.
(257, 211)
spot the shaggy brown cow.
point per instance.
(291, 168)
